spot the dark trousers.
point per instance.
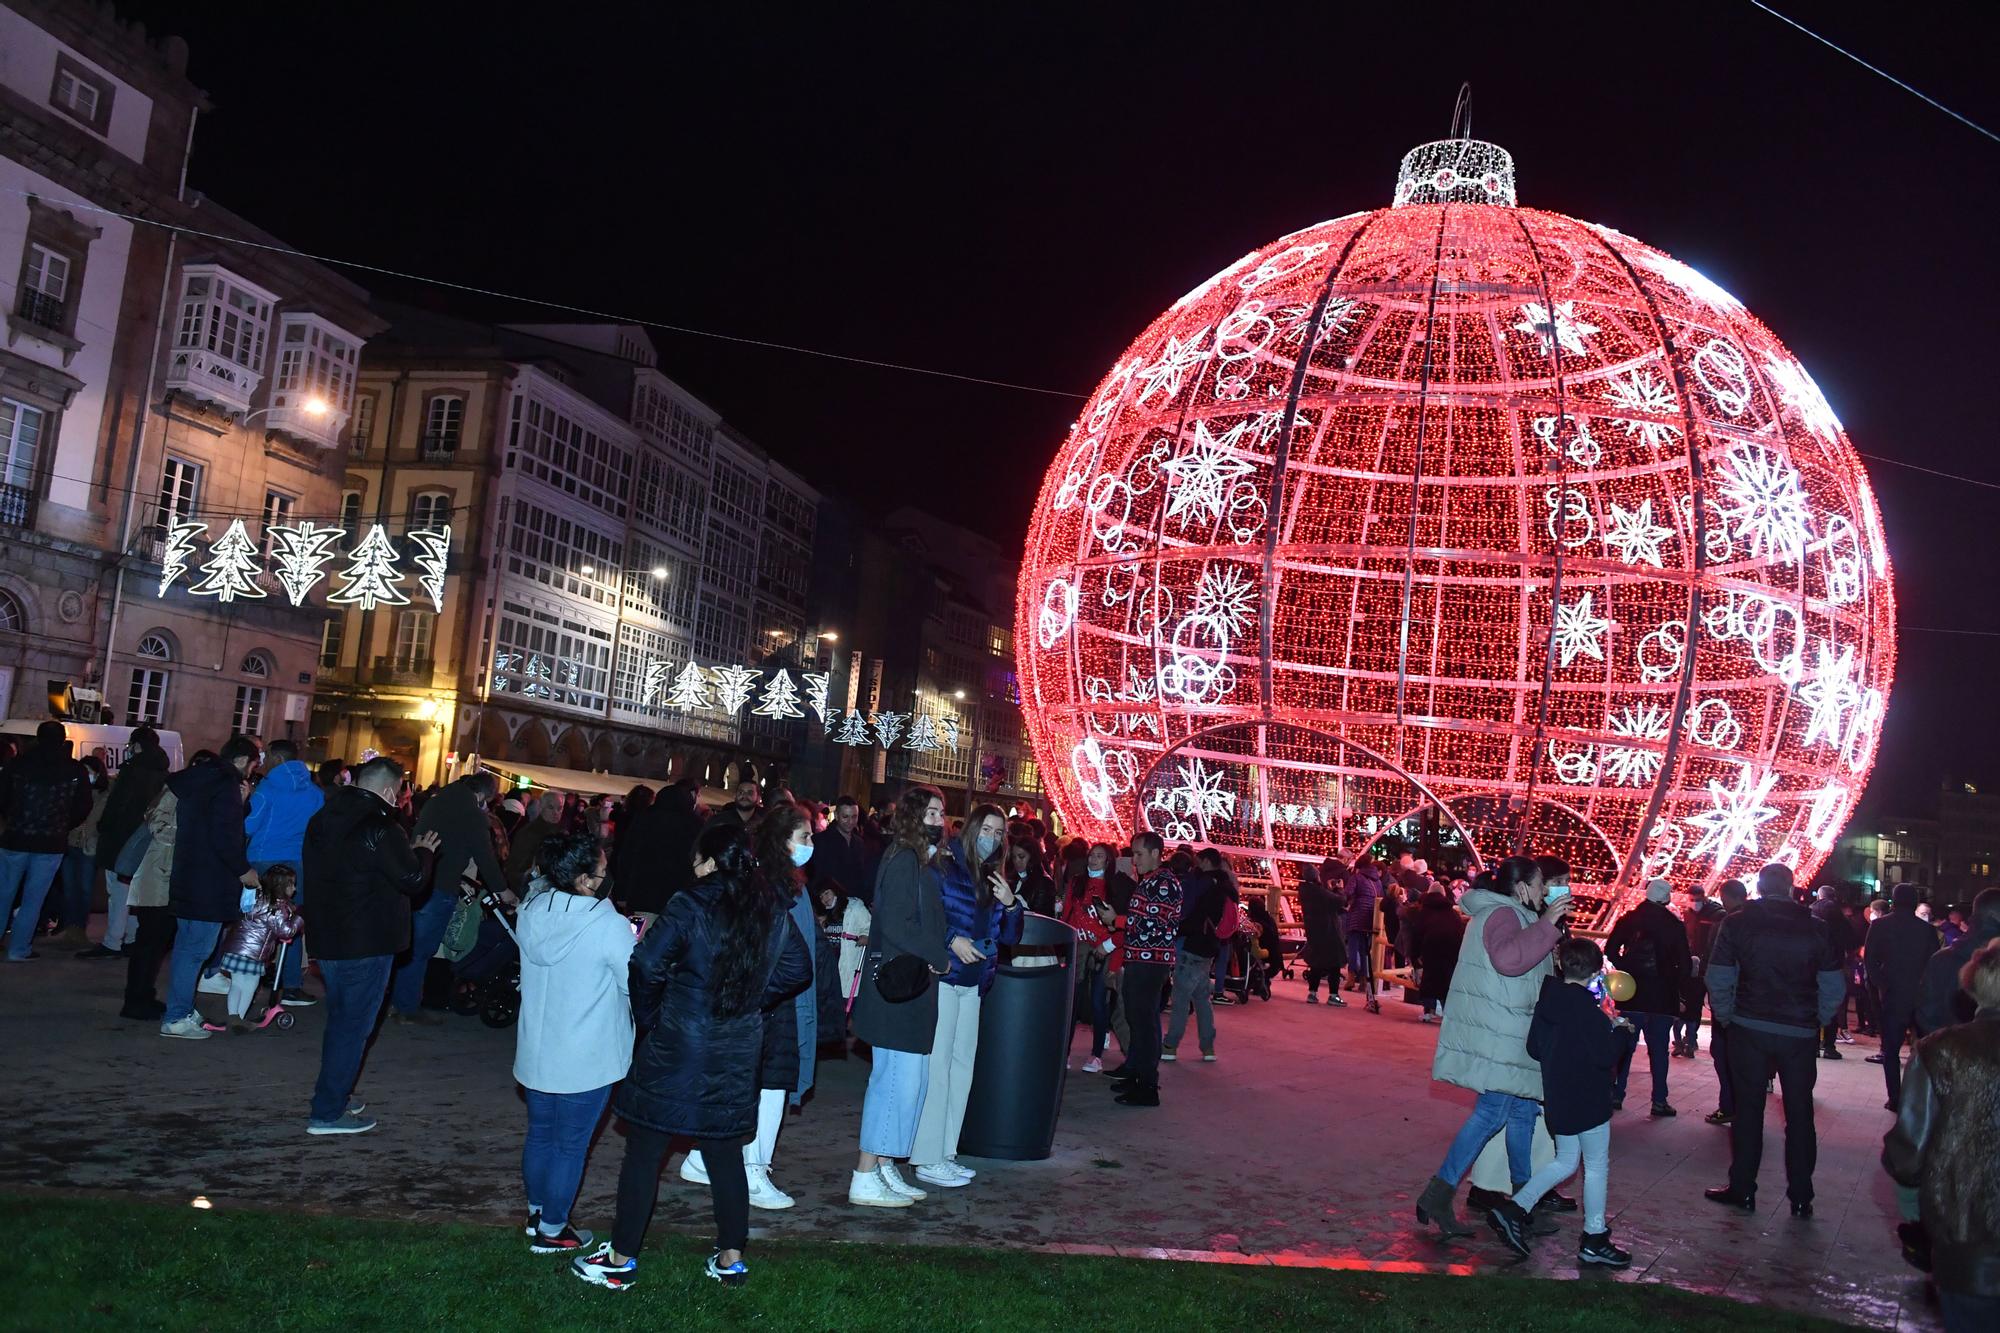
(1658, 1030)
(1753, 1058)
(1896, 1028)
(146, 952)
(639, 1188)
(354, 990)
(1142, 987)
(1725, 1086)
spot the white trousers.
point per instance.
(948, 1083)
(770, 1117)
(242, 990)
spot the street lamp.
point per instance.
(314, 406)
(659, 571)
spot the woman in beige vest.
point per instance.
(1483, 1045)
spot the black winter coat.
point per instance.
(211, 846)
(1776, 954)
(1579, 1051)
(1436, 932)
(139, 780)
(656, 856)
(695, 1073)
(1942, 1002)
(44, 794)
(846, 865)
(360, 873)
(457, 817)
(1898, 947)
(1321, 908)
(908, 919)
(1650, 943)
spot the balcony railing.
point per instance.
(403, 671)
(440, 448)
(217, 379)
(38, 307)
(17, 506)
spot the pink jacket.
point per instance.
(257, 934)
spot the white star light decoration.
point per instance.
(1627, 766)
(1199, 794)
(301, 554)
(1200, 476)
(1734, 816)
(1224, 601)
(1562, 328)
(1633, 534)
(1831, 694)
(1176, 359)
(1639, 392)
(1578, 633)
(1763, 503)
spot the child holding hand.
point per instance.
(1578, 1046)
(253, 942)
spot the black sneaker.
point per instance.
(1720, 1117)
(567, 1241)
(732, 1275)
(1598, 1249)
(1333, 998)
(294, 998)
(1510, 1223)
(98, 951)
(1662, 1110)
(597, 1269)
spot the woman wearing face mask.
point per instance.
(981, 912)
(1031, 883)
(791, 1031)
(1089, 913)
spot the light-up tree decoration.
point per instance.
(232, 567)
(1465, 512)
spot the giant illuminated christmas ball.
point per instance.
(1462, 517)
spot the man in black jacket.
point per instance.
(360, 874)
(1899, 945)
(44, 794)
(139, 780)
(841, 858)
(656, 857)
(1773, 983)
(1942, 1003)
(458, 816)
(1840, 932)
(1650, 943)
(211, 869)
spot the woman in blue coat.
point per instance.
(791, 1030)
(703, 976)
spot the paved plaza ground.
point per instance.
(1304, 1144)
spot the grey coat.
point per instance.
(909, 918)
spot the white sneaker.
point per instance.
(869, 1190)
(894, 1180)
(763, 1193)
(1093, 1066)
(215, 985)
(694, 1170)
(1167, 1056)
(189, 1028)
(943, 1175)
(960, 1167)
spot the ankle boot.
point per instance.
(1434, 1205)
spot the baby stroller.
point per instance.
(1257, 965)
(487, 980)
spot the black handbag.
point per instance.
(903, 978)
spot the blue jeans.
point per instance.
(354, 989)
(427, 926)
(1361, 957)
(1493, 1112)
(194, 941)
(294, 974)
(26, 875)
(1658, 1029)
(79, 877)
(559, 1128)
(894, 1102)
(1219, 978)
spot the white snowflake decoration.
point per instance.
(301, 554)
(1225, 601)
(1633, 534)
(433, 553)
(816, 682)
(177, 551)
(232, 567)
(1340, 312)
(1734, 816)
(781, 698)
(1763, 503)
(1638, 391)
(1629, 766)
(889, 726)
(733, 686)
(1831, 694)
(923, 733)
(371, 575)
(853, 730)
(690, 690)
(1562, 328)
(1798, 392)
(1168, 373)
(1199, 794)
(1578, 633)
(1200, 476)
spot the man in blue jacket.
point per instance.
(210, 871)
(280, 808)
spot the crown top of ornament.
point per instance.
(1458, 170)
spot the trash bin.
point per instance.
(1024, 1036)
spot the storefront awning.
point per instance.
(585, 783)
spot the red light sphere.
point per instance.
(1467, 513)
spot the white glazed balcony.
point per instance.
(213, 378)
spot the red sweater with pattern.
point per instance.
(1152, 921)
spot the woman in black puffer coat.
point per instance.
(703, 977)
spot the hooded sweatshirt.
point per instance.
(575, 1032)
(284, 802)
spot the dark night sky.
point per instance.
(1013, 192)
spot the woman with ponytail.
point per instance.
(791, 1031)
(702, 978)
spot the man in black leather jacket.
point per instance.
(1774, 982)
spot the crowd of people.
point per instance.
(684, 969)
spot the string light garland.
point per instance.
(1470, 508)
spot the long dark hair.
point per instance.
(774, 847)
(968, 846)
(907, 824)
(746, 906)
